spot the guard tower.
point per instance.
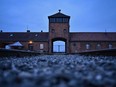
(59, 30)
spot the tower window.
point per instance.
(64, 30)
(52, 30)
(65, 20)
(59, 20)
(52, 19)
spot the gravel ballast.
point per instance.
(58, 71)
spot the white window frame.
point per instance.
(87, 46)
(41, 46)
(110, 46)
(98, 46)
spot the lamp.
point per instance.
(30, 42)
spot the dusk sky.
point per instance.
(86, 15)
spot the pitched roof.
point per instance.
(16, 44)
(44, 36)
(24, 36)
(93, 36)
(59, 14)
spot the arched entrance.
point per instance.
(59, 45)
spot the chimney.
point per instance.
(1, 31)
(41, 30)
(28, 30)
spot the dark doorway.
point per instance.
(30, 47)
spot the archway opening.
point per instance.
(59, 45)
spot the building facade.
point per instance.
(59, 30)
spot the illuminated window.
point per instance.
(41, 46)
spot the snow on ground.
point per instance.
(58, 71)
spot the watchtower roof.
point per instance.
(59, 15)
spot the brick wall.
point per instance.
(59, 31)
(81, 46)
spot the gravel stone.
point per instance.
(58, 71)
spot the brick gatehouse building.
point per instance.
(59, 30)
